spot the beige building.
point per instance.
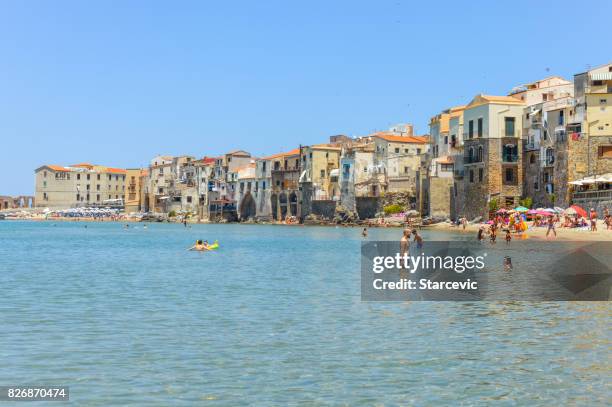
(134, 196)
(493, 151)
(59, 187)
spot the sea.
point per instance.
(274, 317)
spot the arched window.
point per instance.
(479, 154)
(471, 155)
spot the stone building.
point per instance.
(158, 185)
(16, 202)
(362, 179)
(446, 149)
(492, 154)
(317, 183)
(593, 116)
(84, 184)
(401, 157)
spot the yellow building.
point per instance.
(134, 193)
(318, 163)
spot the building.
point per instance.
(318, 183)
(158, 185)
(446, 150)
(134, 196)
(590, 129)
(16, 202)
(492, 154)
(363, 179)
(222, 197)
(59, 187)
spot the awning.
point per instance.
(534, 112)
(604, 76)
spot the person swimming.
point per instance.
(507, 263)
(200, 246)
(364, 233)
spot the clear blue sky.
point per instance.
(117, 82)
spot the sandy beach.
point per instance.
(575, 234)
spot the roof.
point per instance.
(491, 99)
(239, 152)
(55, 167)
(403, 139)
(295, 151)
(325, 147)
(84, 165)
(114, 170)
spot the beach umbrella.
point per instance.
(549, 210)
(579, 210)
(559, 209)
(502, 210)
(521, 209)
(533, 212)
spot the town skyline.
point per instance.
(213, 79)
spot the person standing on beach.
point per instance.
(508, 236)
(593, 216)
(551, 226)
(481, 232)
(464, 222)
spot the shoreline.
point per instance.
(539, 233)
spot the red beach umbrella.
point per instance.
(579, 211)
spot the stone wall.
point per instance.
(599, 165)
(325, 208)
(367, 207)
(440, 192)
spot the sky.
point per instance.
(117, 82)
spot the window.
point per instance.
(509, 175)
(78, 197)
(480, 127)
(509, 126)
(597, 83)
(445, 139)
(471, 129)
(322, 173)
(161, 172)
(44, 184)
(277, 183)
(532, 159)
(605, 152)
(45, 196)
(480, 174)
(397, 150)
(78, 176)
(98, 197)
(603, 101)
(263, 166)
(87, 177)
(188, 199)
(471, 175)
(479, 157)
(45, 174)
(263, 185)
(561, 117)
(405, 170)
(418, 151)
(98, 177)
(406, 150)
(446, 167)
(88, 187)
(471, 155)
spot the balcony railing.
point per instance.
(510, 158)
(471, 160)
(592, 195)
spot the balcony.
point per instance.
(510, 158)
(471, 160)
(531, 146)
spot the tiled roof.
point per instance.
(83, 165)
(404, 139)
(295, 151)
(114, 170)
(57, 168)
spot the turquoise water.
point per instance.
(128, 317)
